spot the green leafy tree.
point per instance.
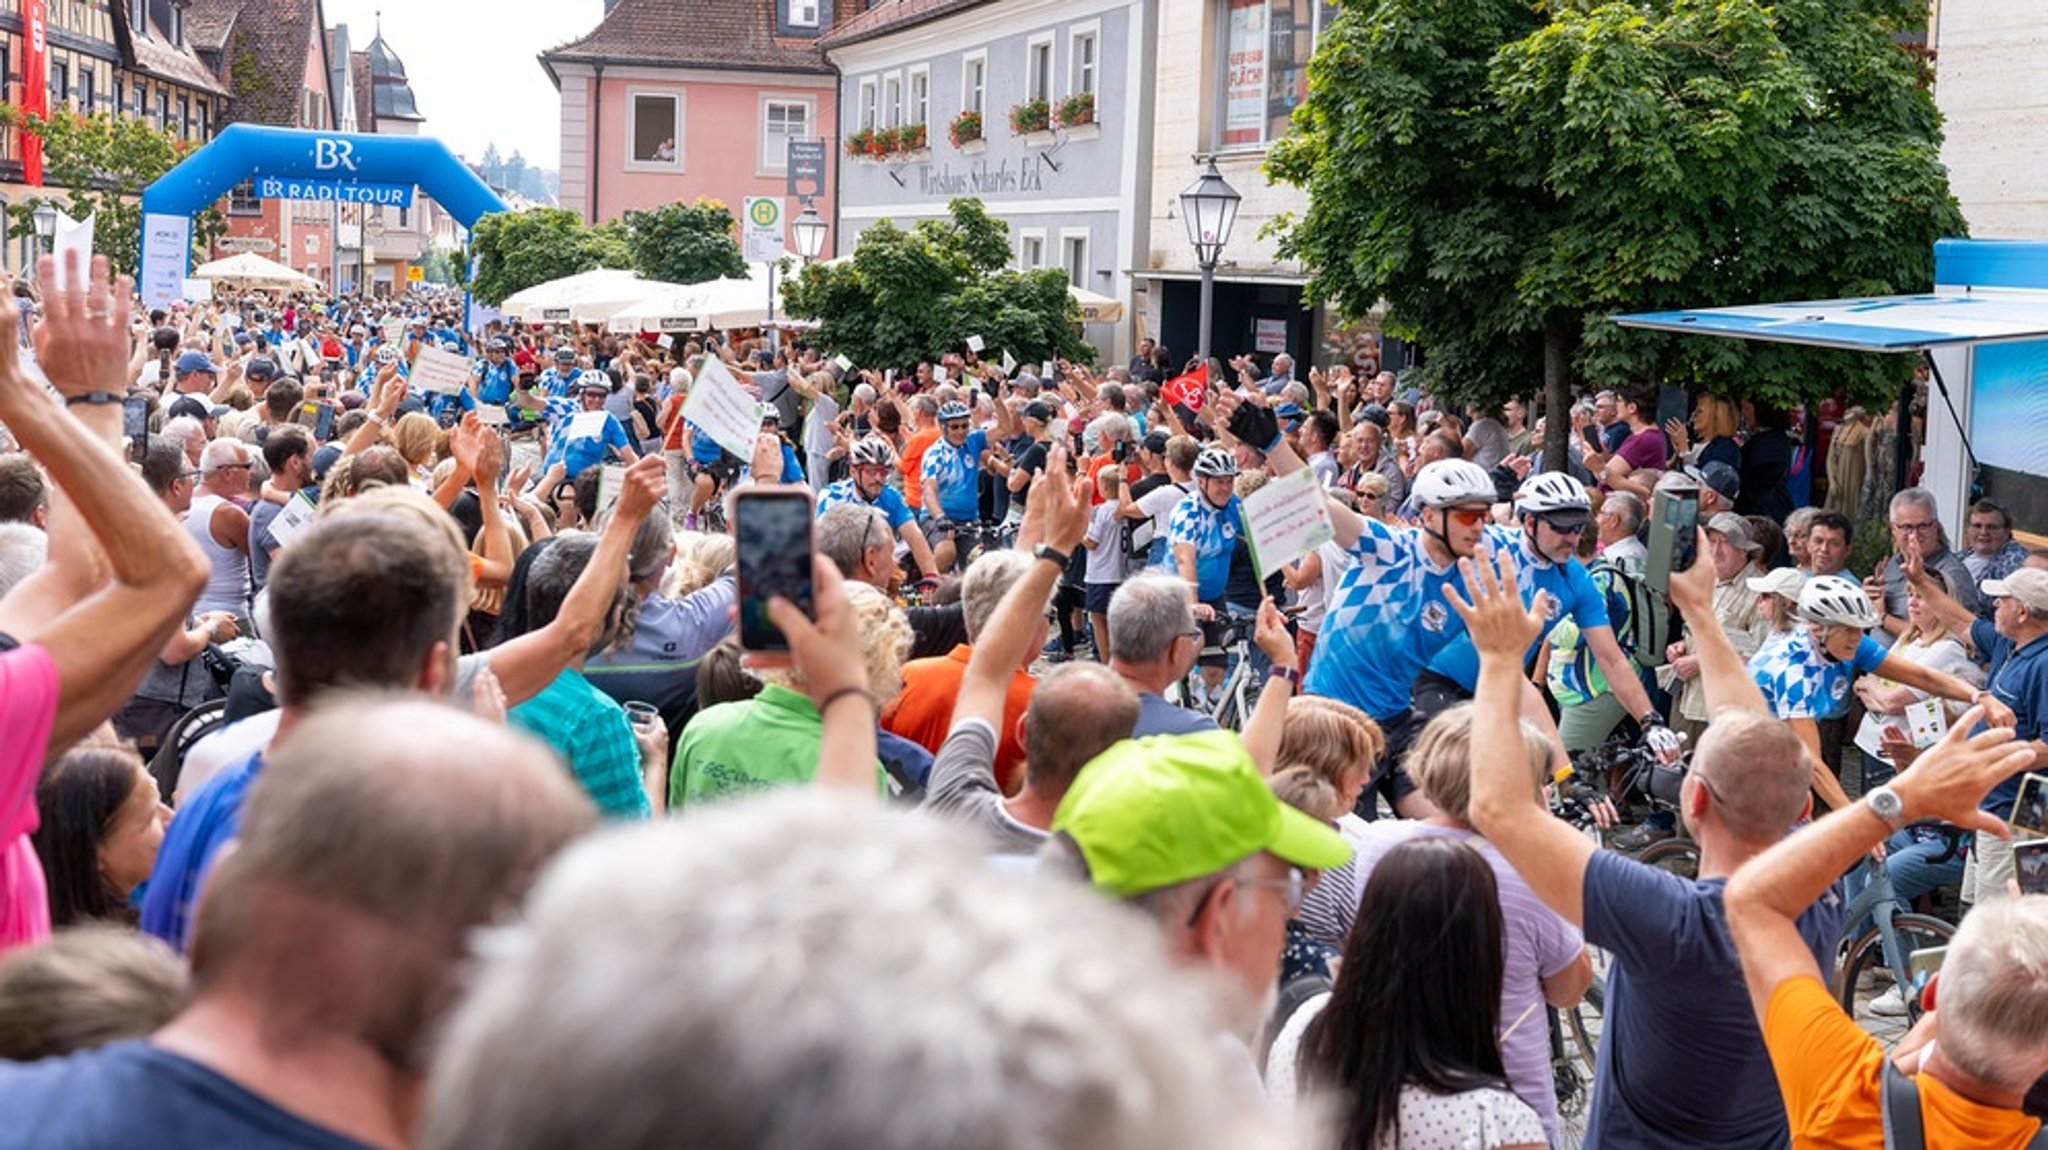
(685, 243)
(102, 164)
(439, 266)
(516, 250)
(1505, 175)
(910, 295)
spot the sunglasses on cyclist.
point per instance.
(1467, 516)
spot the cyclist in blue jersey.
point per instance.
(951, 475)
(1806, 673)
(1201, 535)
(584, 439)
(561, 379)
(1387, 616)
(1553, 508)
(771, 424)
(497, 376)
(870, 462)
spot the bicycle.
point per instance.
(1575, 1033)
(1656, 784)
(1884, 948)
(1231, 703)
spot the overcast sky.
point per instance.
(472, 66)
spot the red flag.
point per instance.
(1186, 390)
(35, 88)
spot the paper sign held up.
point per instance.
(723, 409)
(437, 370)
(73, 240)
(1285, 520)
(975, 344)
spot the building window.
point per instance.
(1074, 257)
(803, 13)
(919, 110)
(242, 200)
(781, 122)
(654, 123)
(60, 82)
(1267, 44)
(120, 92)
(1081, 62)
(973, 82)
(86, 92)
(1038, 70)
(163, 110)
(867, 104)
(185, 117)
(1031, 249)
(138, 16)
(176, 31)
(205, 121)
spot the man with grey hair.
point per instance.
(856, 538)
(218, 524)
(1916, 527)
(1077, 711)
(1040, 1015)
(1281, 375)
(1620, 517)
(923, 713)
(189, 434)
(1989, 1038)
(1153, 642)
(330, 941)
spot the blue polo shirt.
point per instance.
(2019, 679)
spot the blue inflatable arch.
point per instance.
(338, 166)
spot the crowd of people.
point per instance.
(379, 765)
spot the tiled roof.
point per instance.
(731, 34)
(891, 16)
(266, 42)
(153, 54)
(359, 75)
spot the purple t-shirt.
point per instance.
(1646, 448)
(1539, 944)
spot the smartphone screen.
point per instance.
(2030, 866)
(771, 529)
(2030, 809)
(1674, 534)
(135, 425)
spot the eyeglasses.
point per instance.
(1293, 886)
(1915, 527)
(867, 537)
(1467, 516)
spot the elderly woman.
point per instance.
(773, 739)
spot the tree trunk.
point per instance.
(1557, 392)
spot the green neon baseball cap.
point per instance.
(1149, 813)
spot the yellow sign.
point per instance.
(416, 274)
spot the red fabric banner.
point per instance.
(1185, 390)
(35, 87)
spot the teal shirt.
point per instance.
(770, 740)
(591, 733)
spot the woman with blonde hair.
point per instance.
(418, 440)
(773, 739)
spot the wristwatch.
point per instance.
(1048, 551)
(1885, 804)
(93, 398)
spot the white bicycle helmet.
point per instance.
(1215, 463)
(1831, 600)
(770, 411)
(1450, 482)
(951, 412)
(1548, 491)
(874, 451)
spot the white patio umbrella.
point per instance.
(578, 298)
(1096, 308)
(249, 270)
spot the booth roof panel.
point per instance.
(1877, 323)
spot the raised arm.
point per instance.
(1766, 897)
(1549, 855)
(1005, 643)
(1724, 676)
(1251, 421)
(827, 653)
(103, 643)
(1268, 722)
(526, 664)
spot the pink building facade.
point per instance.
(666, 103)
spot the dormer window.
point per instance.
(803, 13)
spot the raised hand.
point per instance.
(1269, 633)
(82, 341)
(646, 482)
(1692, 590)
(466, 442)
(1953, 776)
(1498, 622)
(1066, 500)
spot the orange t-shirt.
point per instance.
(1132, 473)
(1831, 1073)
(923, 713)
(913, 465)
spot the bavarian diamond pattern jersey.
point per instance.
(1386, 619)
(1799, 682)
(890, 501)
(1212, 532)
(956, 473)
(1571, 592)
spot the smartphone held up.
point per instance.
(1674, 532)
(773, 544)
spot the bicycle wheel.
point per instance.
(1678, 856)
(1571, 1083)
(1866, 977)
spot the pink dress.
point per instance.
(28, 708)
